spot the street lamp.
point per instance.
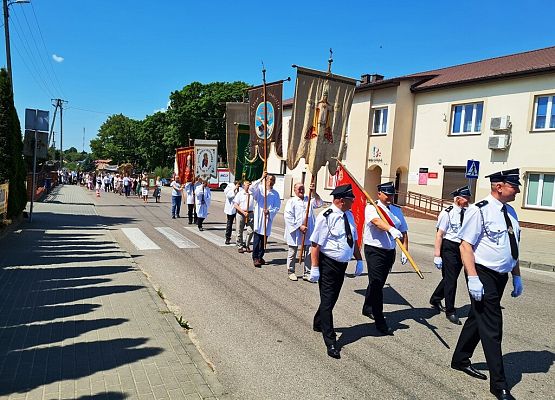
(6, 4)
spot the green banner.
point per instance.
(247, 167)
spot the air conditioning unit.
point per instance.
(500, 123)
(498, 142)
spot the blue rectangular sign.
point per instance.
(472, 169)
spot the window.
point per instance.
(540, 191)
(544, 112)
(467, 118)
(380, 120)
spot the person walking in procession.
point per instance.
(447, 255)
(229, 210)
(379, 250)
(490, 236)
(296, 226)
(244, 204)
(202, 201)
(177, 190)
(333, 245)
(190, 189)
(263, 229)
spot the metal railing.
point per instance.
(425, 204)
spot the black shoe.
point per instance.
(316, 328)
(384, 329)
(190, 222)
(201, 229)
(454, 319)
(502, 394)
(228, 241)
(173, 216)
(178, 216)
(470, 370)
(333, 351)
(368, 314)
(436, 305)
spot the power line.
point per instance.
(40, 84)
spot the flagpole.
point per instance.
(265, 151)
(380, 213)
(312, 182)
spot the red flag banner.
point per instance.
(359, 203)
(185, 160)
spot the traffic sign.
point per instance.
(472, 169)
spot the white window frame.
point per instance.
(463, 114)
(540, 192)
(548, 112)
(380, 110)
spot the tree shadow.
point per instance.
(105, 396)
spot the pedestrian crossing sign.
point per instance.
(472, 169)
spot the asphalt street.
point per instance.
(254, 326)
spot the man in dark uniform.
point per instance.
(447, 255)
(379, 250)
(489, 237)
(333, 245)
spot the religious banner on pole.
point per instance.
(359, 203)
(246, 167)
(235, 113)
(256, 116)
(185, 162)
(320, 116)
(206, 157)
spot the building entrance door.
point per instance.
(453, 178)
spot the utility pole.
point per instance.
(83, 139)
(5, 5)
(59, 103)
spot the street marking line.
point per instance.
(139, 239)
(211, 237)
(177, 238)
(272, 235)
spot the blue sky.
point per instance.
(121, 56)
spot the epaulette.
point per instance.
(449, 208)
(327, 212)
(482, 203)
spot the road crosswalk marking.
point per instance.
(177, 238)
(139, 239)
(211, 237)
(276, 236)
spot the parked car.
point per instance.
(165, 182)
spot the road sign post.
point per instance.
(472, 172)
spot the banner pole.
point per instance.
(398, 241)
(265, 152)
(301, 251)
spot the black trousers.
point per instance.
(229, 226)
(452, 265)
(379, 262)
(332, 274)
(192, 213)
(257, 246)
(199, 222)
(485, 324)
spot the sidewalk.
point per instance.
(78, 319)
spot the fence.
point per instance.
(425, 204)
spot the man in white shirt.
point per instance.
(297, 225)
(177, 190)
(244, 205)
(273, 203)
(190, 189)
(202, 201)
(230, 211)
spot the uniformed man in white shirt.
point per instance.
(202, 202)
(230, 192)
(190, 188)
(244, 204)
(379, 250)
(447, 255)
(297, 225)
(333, 245)
(273, 203)
(490, 236)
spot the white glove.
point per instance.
(314, 273)
(404, 259)
(517, 286)
(475, 287)
(395, 233)
(438, 262)
(359, 268)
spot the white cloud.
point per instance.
(57, 58)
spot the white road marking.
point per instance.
(277, 236)
(177, 238)
(211, 237)
(139, 239)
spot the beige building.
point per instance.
(420, 131)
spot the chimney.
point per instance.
(370, 78)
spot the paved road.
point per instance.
(254, 325)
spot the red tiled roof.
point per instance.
(498, 67)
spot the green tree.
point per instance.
(12, 166)
(117, 140)
(155, 146)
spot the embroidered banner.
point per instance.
(185, 162)
(235, 113)
(256, 117)
(206, 157)
(320, 116)
(247, 167)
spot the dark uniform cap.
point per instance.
(386, 188)
(463, 191)
(510, 176)
(343, 192)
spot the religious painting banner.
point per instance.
(274, 92)
(235, 113)
(320, 116)
(185, 161)
(247, 167)
(206, 157)
(359, 203)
